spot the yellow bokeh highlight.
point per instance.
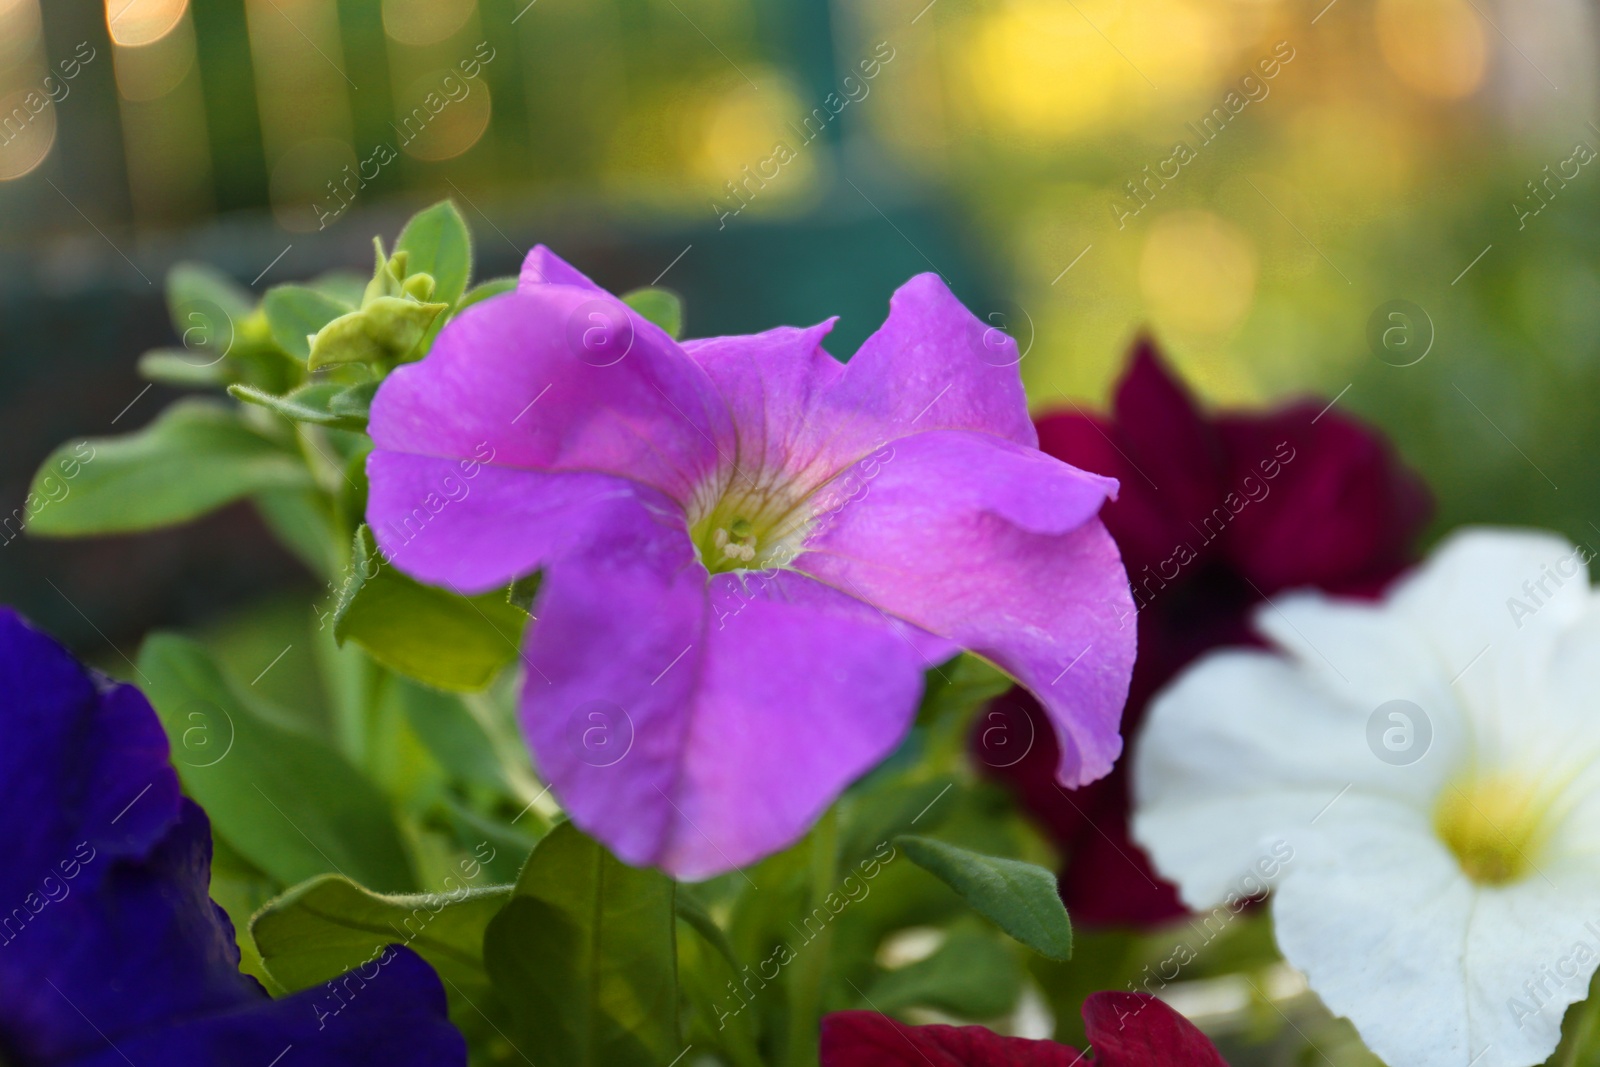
(140, 22)
(1436, 47)
(1049, 71)
(448, 114)
(424, 22)
(1039, 70)
(737, 137)
(151, 71)
(27, 132)
(1197, 274)
(20, 30)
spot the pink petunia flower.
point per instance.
(1124, 1030)
(750, 552)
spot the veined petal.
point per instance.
(932, 365)
(558, 378)
(470, 527)
(699, 740)
(996, 548)
(773, 383)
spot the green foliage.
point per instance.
(181, 368)
(971, 975)
(196, 457)
(295, 313)
(1018, 897)
(484, 290)
(318, 403)
(285, 801)
(660, 306)
(395, 313)
(324, 927)
(584, 958)
(437, 242)
(434, 636)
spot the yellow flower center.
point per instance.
(745, 526)
(1495, 826)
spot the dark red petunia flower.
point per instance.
(1124, 1030)
(1215, 515)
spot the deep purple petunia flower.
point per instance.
(750, 551)
(111, 951)
(1216, 513)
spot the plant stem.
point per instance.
(812, 958)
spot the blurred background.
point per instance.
(1391, 202)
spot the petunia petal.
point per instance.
(1138, 1030)
(1492, 604)
(699, 739)
(143, 946)
(997, 549)
(867, 1039)
(543, 267)
(557, 378)
(1124, 1030)
(83, 768)
(1241, 759)
(774, 384)
(932, 365)
(1377, 912)
(389, 1012)
(470, 527)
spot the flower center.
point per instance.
(748, 527)
(1495, 826)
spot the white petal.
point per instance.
(1375, 912)
(1242, 752)
(1428, 966)
(1479, 603)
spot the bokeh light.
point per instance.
(26, 134)
(448, 114)
(1197, 273)
(1436, 47)
(425, 22)
(133, 23)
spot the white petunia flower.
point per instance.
(1432, 761)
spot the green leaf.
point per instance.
(194, 458)
(295, 313)
(691, 911)
(354, 401)
(584, 957)
(661, 306)
(182, 368)
(208, 309)
(1018, 897)
(434, 636)
(437, 242)
(286, 802)
(310, 403)
(324, 927)
(522, 591)
(484, 290)
(960, 686)
(450, 732)
(972, 975)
